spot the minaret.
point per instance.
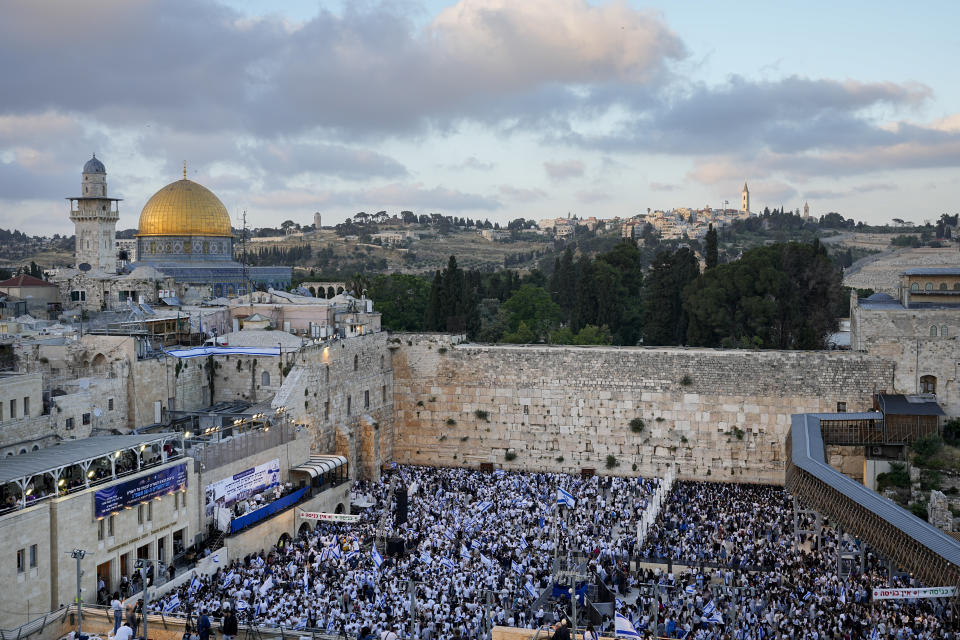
(806, 210)
(95, 216)
(745, 199)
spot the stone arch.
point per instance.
(265, 379)
(943, 286)
(933, 331)
(928, 384)
(283, 539)
(303, 530)
(339, 290)
(943, 331)
(915, 286)
(928, 286)
(340, 508)
(36, 447)
(99, 360)
(331, 292)
(313, 291)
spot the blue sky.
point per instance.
(482, 108)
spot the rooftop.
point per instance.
(932, 271)
(23, 280)
(898, 404)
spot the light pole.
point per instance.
(78, 554)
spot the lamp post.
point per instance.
(78, 554)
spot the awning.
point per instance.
(318, 465)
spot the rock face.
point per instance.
(716, 414)
(939, 511)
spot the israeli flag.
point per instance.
(517, 567)
(531, 590)
(448, 563)
(625, 628)
(499, 472)
(464, 552)
(486, 561)
(426, 558)
(266, 586)
(172, 604)
(709, 608)
(227, 579)
(843, 595)
(195, 584)
(352, 554)
(474, 544)
(484, 506)
(690, 589)
(325, 554)
(618, 602)
(292, 567)
(542, 522)
(874, 635)
(807, 595)
(449, 535)
(523, 544)
(565, 498)
(377, 558)
(335, 550)
(242, 605)
(715, 618)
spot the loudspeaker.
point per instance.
(400, 514)
(395, 547)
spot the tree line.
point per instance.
(781, 296)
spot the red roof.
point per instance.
(23, 280)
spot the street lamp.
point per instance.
(78, 554)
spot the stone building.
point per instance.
(917, 329)
(95, 217)
(41, 296)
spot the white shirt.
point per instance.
(123, 633)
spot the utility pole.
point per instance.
(78, 555)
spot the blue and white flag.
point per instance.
(499, 472)
(690, 589)
(531, 590)
(474, 544)
(565, 498)
(807, 595)
(715, 618)
(377, 558)
(483, 507)
(426, 558)
(227, 579)
(352, 554)
(709, 608)
(195, 584)
(449, 535)
(517, 567)
(242, 605)
(843, 595)
(266, 586)
(523, 543)
(335, 550)
(172, 604)
(325, 554)
(874, 635)
(292, 567)
(542, 522)
(486, 561)
(625, 628)
(448, 563)
(464, 552)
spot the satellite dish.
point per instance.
(84, 266)
(97, 412)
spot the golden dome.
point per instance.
(184, 208)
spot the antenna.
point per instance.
(243, 259)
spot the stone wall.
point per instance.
(903, 336)
(718, 413)
(343, 392)
(882, 274)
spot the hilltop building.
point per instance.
(745, 199)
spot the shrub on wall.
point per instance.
(637, 425)
(611, 461)
(510, 455)
(482, 415)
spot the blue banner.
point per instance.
(133, 492)
(262, 513)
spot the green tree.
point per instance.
(712, 254)
(401, 299)
(591, 334)
(523, 335)
(453, 301)
(665, 319)
(532, 307)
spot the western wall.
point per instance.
(715, 414)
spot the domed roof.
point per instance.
(184, 208)
(94, 166)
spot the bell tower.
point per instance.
(95, 216)
(745, 199)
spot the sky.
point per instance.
(492, 109)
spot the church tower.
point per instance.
(745, 199)
(95, 216)
(806, 210)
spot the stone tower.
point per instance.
(316, 221)
(806, 210)
(95, 216)
(745, 199)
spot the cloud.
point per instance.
(589, 196)
(564, 170)
(519, 194)
(663, 186)
(399, 195)
(472, 163)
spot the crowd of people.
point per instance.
(475, 542)
(721, 562)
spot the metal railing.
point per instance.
(215, 454)
(36, 625)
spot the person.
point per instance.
(561, 631)
(203, 626)
(389, 634)
(133, 619)
(590, 634)
(123, 632)
(117, 607)
(229, 625)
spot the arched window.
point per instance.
(330, 292)
(943, 286)
(933, 331)
(943, 331)
(956, 286)
(356, 362)
(265, 379)
(928, 384)
(928, 286)
(915, 286)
